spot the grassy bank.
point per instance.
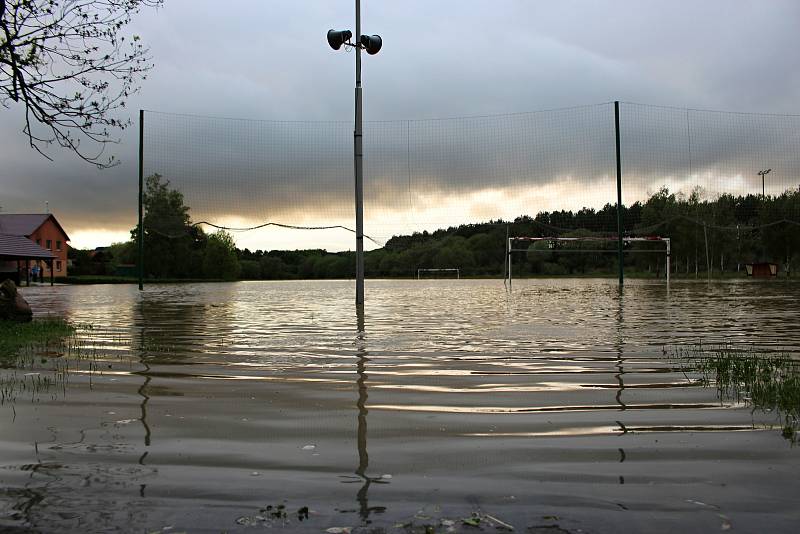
(15, 336)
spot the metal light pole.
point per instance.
(358, 157)
(372, 44)
(762, 174)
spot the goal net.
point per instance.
(551, 255)
(438, 273)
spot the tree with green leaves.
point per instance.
(219, 257)
(173, 246)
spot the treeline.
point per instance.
(707, 235)
(720, 235)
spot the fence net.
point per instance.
(690, 175)
(723, 186)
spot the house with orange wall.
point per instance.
(44, 230)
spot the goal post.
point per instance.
(514, 240)
(455, 270)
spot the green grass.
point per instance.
(765, 381)
(16, 336)
(38, 358)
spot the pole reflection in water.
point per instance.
(620, 372)
(142, 392)
(362, 497)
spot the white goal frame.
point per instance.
(458, 272)
(510, 247)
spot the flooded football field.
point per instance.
(453, 405)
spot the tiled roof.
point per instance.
(25, 223)
(21, 223)
(13, 247)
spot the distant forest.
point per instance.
(718, 234)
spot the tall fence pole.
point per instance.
(619, 195)
(141, 200)
(505, 261)
(669, 262)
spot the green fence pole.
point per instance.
(619, 194)
(141, 199)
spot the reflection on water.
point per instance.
(363, 455)
(202, 404)
(620, 369)
(142, 391)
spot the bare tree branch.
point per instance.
(69, 64)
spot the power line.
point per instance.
(263, 225)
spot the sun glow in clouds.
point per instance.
(416, 210)
(89, 238)
(427, 211)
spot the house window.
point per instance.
(38, 242)
(58, 245)
(58, 266)
(49, 244)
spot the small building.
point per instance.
(762, 270)
(44, 230)
(16, 254)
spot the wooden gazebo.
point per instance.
(18, 249)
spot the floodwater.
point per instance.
(560, 405)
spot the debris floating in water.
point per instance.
(247, 521)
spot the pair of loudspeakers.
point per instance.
(371, 43)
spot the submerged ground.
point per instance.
(565, 404)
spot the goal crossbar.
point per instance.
(510, 247)
(452, 269)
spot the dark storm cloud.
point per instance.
(260, 170)
(716, 146)
(277, 170)
(270, 60)
(83, 196)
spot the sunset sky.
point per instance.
(269, 61)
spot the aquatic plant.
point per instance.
(38, 358)
(15, 336)
(766, 381)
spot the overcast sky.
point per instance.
(268, 60)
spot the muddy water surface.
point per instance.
(226, 407)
